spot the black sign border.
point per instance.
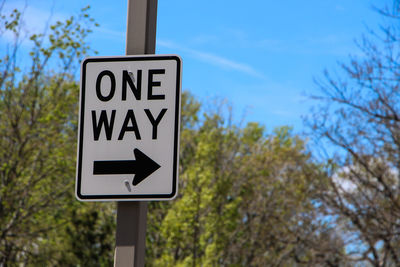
(136, 197)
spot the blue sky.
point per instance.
(260, 55)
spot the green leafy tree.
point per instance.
(38, 114)
(247, 198)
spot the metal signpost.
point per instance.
(128, 141)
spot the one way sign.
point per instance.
(129, 128)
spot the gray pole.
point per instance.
(132, 216)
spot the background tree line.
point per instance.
(247, 196)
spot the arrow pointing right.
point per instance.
(142, 167)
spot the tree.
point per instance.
(246, 198)
(359, 117)
(38, 114)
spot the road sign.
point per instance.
(129, 128)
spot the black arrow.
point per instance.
(142, 167)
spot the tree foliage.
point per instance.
(38, 114)
(247, 198)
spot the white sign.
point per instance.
(129, 128)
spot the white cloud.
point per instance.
(111, 34)
(213, 59)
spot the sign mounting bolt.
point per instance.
(131, 75)
(128, 185)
